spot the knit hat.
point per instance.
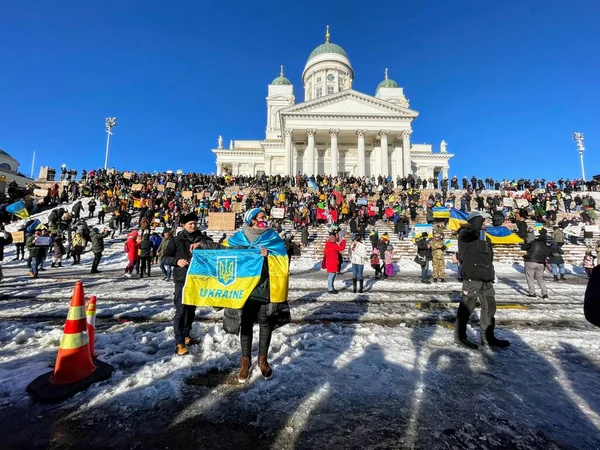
(189, 217)
(251, 214)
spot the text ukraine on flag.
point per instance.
(222, 278)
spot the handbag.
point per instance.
(421, 260)
(324, 263)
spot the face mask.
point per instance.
(262, 224)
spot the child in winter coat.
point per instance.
(78, 244)
(389, 266)
(375, 262)
(588, 262)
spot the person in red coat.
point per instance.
(132, 249)
(332, 250)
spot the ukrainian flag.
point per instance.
(441, 212)
(457, 218)
(18, 209)
(226, 278)
(312, 185)
(502, 236)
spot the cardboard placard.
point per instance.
(18, 237)
(186, 194)
(237, 207)
(160, 187)
(40, 192)
(521, 202)
(277, 213)
(221, 221)
(362, 201)
(421, 228)
(137, 187)
(170, 185)
(508, 202)
(200, 195)
(127, 175)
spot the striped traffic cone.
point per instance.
(90, 313)
(74, 360)
(74, 370)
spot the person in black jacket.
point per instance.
(97, 239)
(5, 239)
(424, 255)
(477, 265)
(178, 254)
(591, 303)
(145, 255)
(535, 260)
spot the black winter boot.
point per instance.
(489, 340)
(360, 287)
(460, 332)
(354, 285)
(562, 276)
(555, 277)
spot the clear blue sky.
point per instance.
(505, 83)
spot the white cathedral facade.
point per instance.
(336, 130)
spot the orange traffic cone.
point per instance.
(90, 313)
(74, 370)
(74, 360)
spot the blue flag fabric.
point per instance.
(222, 278)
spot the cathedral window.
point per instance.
(329, 90)
(319, 92)
(319, 80)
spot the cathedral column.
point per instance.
(384, 156)
(361, 152)
(287, 160)
(399, 172)
(310, 153)
(235, 168)
(406, 152)
(252, 167)
(445, 171)
(219, 168)
(334, 152)
(268, 165)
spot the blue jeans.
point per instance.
(424, 271)
(330, 280)
(558, 268)
(165, 269)
(34, 265)
(357, 271)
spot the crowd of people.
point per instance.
(161, 215)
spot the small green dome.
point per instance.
(388, 83)
(281, 80)
(328, 47)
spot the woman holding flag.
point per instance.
(267, 304)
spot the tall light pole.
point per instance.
(578, 137)
(109, 124)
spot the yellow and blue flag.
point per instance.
(226, 278)
(18, 209)
(457, 218)
(441, 212)
(223, 278)
(502, 236)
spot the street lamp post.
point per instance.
(109, 124)
(578, 137)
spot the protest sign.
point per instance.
(507, 202)
(42, 241)
(40, 192)
(137, 187)
(221, 221)
(18, 237)
(421, 228)
(277, 213)
(521, 202)
(170, 185)
(127, 175)
(362, 201)
(237, 207)
(160, 187)
(186, 194)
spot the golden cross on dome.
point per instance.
(327, 35)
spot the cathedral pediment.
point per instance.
(349, 103)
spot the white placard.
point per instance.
(277, 213)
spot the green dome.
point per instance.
(281, 80)
(388, 83)
(328, 47)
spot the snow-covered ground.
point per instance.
(372, 370)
